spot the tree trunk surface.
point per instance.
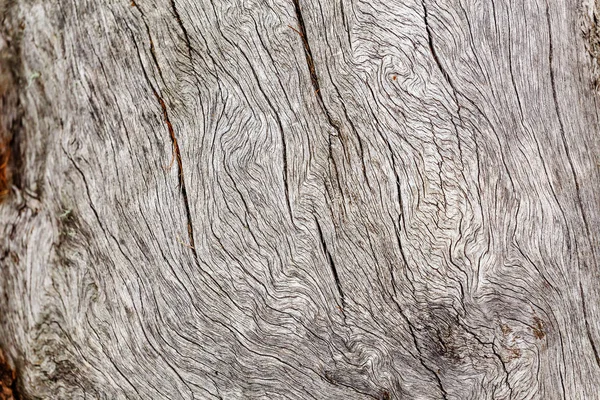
(294, 199)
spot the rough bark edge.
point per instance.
(590, 26)
(10, 160)
(11, 114)
(8, 380)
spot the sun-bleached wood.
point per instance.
(293, 199)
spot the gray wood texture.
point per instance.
(294, 199)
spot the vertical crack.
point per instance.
(432, 47)
(311, 65)
(182, 185)
(331, 264)
(176, 149)
(587, 327)
(315, 82)
(185, 33)
(562, 132)
(301, 31)
(420, 357)
(436, 58)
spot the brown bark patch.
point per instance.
(4, 174)
(10, 115)
(8, 378)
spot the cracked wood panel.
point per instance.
(292, 199)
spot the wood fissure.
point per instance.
(587, 327)
(311, 65)
(332, 266)
(175, 143)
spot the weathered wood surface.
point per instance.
(301, 199)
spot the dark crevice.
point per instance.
(182, 185)
(397, 229)
(492, 346)
(587, 327)
(153, 53)
(317, 88)
(185, 33)
(15, 160)
(311, 65)
(591, 34)
(176, 146)
(331, 264)
(435, 55)
(345, 22)
(420, 357)
(177, 154)
(152, 48)
(562, 133)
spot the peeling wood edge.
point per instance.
(11, 159)
(590, 29)
(11, 116)
(8, 380)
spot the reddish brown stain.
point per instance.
(4, 173)
(9, 116)
(7, 379)
(516, 353)
(538, 329)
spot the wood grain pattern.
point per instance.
(244, 199)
